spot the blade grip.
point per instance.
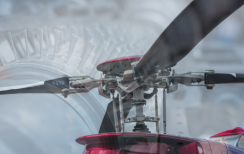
(56, 85)
(218, 78)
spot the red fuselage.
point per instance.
(147, 143)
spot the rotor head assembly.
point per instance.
(133, 75)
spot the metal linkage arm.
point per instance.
(165, 84)
(116, 124)
(164, 110)
(156, 111)
(121, 112)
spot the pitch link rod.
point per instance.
(116, 124)
(164, 110)
(121, 112)
(156, 111)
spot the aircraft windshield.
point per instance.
(230, 139)
(241, 143)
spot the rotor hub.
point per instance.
(118, 65)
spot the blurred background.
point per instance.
(46, 39)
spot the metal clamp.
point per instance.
(165, 82)
(209, 86)
(141, 119)
(136, 102)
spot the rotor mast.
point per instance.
(138, 101)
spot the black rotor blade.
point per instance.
(49, 86)
(198, 19)
(107, 124)
(218, 78)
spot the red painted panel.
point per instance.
(138, 148)
(100, 149)
(189, 149)
(217, 147)
(139, 143)
(99, 138)
(237, 130)
(136, 57)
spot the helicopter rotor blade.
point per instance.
(49, 86)
(107, 124)
(198, 19)
(218, 78)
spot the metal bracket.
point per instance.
(103, 92)
(172, 88)
(142, 119)
(165, 82)
(130, 88)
